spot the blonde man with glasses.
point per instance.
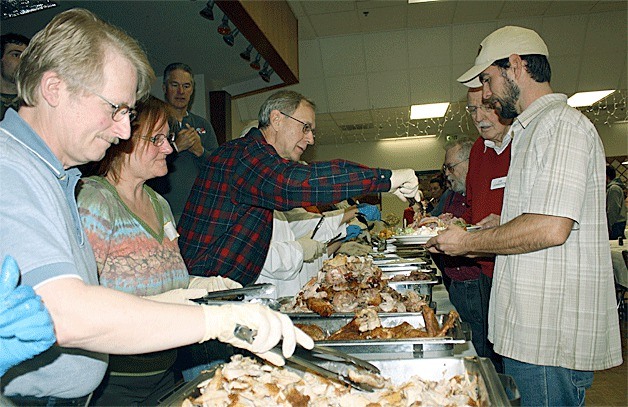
(79, 80)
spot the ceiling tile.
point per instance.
(310, 62)
(341, 23)
(512, 9)
(429, 46)
(382, 19)
(563, 7)
(431, 14)
(312, 89)
(603, 32)
(430, 85)
(466, 39)
(315, 7)
(612, 5)
(389, 89)
(477, 11)
(343, 55)
(565, 73)
(385, 51)
(600, 71)
(352, 118)
(564, 35)
(347, 93)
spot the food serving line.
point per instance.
(441, 359)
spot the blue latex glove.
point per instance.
(26, 329)
(370, 212)
(352, 232)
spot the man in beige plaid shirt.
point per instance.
(552, 312)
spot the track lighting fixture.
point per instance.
(208, 11)
(223, 28)
(255, 64)
(230, 38)
(266, 72)
(246, 54)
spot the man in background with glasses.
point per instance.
(226, 226)
(488, 169)
(193, 139)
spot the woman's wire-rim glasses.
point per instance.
(307, 127)
(158, 139)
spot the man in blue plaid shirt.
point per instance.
(226, 225)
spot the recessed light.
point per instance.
(428, 111)
(587, 98)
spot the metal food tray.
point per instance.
(490, 389)
(421, 287)
(371, 349)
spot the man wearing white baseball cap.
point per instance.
(552, 310)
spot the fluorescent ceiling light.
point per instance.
(587, 98)
(420, 1)
(418, 112)
(408, 137)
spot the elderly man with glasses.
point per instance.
(226, 226)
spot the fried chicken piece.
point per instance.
(320, 306)
(452, 317)
(365, 320)
(406, 331)
(314, 331)
(431, 323)
(378, 333)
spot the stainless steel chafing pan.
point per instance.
(371, 349)
(489, 388)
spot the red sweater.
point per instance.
(485, 165)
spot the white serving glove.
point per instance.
(312, 249)
(213, 283)
(405, 184)
(270, 326)
(178, 296)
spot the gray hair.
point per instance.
(177, 65)
(74, 46)
(464, 142)
(286, 101)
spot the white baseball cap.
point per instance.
(500, 44)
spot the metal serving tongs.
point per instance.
(309, 360)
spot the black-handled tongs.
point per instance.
(309, 360)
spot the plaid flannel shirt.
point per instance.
(226, 226)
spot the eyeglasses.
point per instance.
(307, 127)
(450, 167)
(473, 110)
(119, 111)
(158, 139)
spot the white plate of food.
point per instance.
(413, 239)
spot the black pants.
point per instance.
(49, 401)
(133, 390)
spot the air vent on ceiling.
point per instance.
(357, 126)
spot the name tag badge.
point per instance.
(498, 183)
(170, 231)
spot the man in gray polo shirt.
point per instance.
(78, 80)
